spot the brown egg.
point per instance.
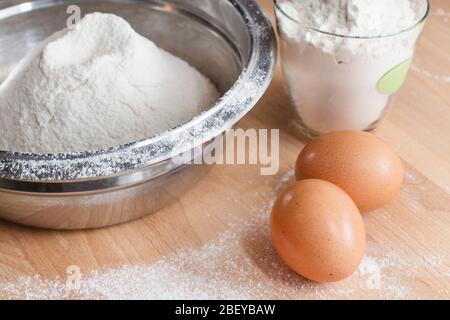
(358, 162)
(318, 231)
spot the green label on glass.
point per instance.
(392, 81)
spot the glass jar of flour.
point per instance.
(343, 59)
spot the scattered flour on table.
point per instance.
(98, 85)
(445, 78)
(429, 74)
(239, 264)
(439, 12)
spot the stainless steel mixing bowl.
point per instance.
(230, 41)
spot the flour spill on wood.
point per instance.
(429, 74)
(239, 264)
(439, 12)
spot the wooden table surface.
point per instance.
(415, 227)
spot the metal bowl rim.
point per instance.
(257, 74)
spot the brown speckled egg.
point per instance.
(360, 163)
(318, 231)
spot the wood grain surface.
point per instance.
(416, 225)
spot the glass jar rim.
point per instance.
(418, 23)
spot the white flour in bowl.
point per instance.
(333, 79)
(98, 85)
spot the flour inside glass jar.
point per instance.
(342, 59)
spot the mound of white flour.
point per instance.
(98, 85)
(363, 18)
(352, 18)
